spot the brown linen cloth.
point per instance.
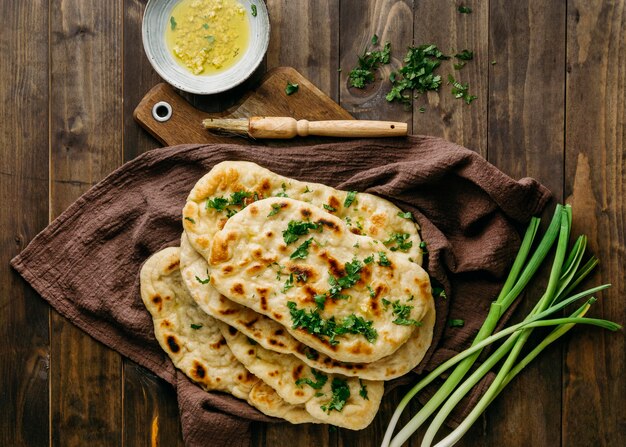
(86, 262)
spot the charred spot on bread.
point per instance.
(172, 343)
(232, 331)
(198, 371)
(334, 202)
(237, 289)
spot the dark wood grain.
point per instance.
(24, 343)
(440, 23)
(594, 387)
(525, 138)
(85, 145)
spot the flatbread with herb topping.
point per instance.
(273, 336)
(345, 295)
(298, 384)
(194, 342)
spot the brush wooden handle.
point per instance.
(283, 127)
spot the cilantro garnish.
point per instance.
(329, 208)
(312, 322)
(423, 247)
(217, 203)
(465, 55)
(291, 88)
(400, 240)
(369, 62)
(465, 10)
(190, 220)
(351, 277)
(195, 326)
(349, 198)
(237, 198)
(382, 259)
(275, 209)
(230, 212)
(253, 10)
(320, 300)
(408, 215)
(295, 229)
(320, 380)
(456, 322)
(371, 291)
(461, 91)
(417, 73)
(402, 312)
(369, 259)
(288, 284)
(172, 23)
(302, 277)
(440, 292)
(302, 251)
(283, 193)
(204, 281)
(363, 390)
(341, 394)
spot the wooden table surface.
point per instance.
(551, 105)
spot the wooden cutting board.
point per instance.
(268, 99)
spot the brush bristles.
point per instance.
(237, 126)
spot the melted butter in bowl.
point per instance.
(206, 36)
(205, 46)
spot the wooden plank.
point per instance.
(594, 389)
(305, 36)
(85, 145)
(391, 22)
(445, 116)
(24, 353)
(150, 408)
(525, 138)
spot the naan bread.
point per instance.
(282, 372)
(251, 263)
(364, 214)
(273, 336)
(194, 342)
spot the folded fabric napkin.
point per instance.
(86, 263)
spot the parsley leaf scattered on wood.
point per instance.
(460, 91)
(465, 10)
(417, 73)
(465, 55)
(440, 292)
(422, 109)
(195, 326)
(401, 241)
(302, 251)
(382, 259)
(363, 390)
(275, 209)
(253, 10)
(402, 312)
(456, 322)
(341, 394)
(295, 229)
(368, 63)
(291, 88)
(320, 380)
(349, 198)
(190, 220)
(172, 23)
(329, 208)
(312, 322)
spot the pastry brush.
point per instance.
(285, 127)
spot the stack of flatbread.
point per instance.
(296, 297)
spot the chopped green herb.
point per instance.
(291, 88)
(440, 292)
(190, 220)
(356, 245)
(369, 259)
(301, 277)
(408, 215)
(363, 390)
(371, 291)
(218, 203)
(465, 55)
(320, 300)
(350, 279)
(295, 229)
(363, 73)
(493, 62)
(422, 109)
(402, 312)
(238, 197)
(386, 303)
(204, 281)
(329, 208)
(382, 259)
(319, 394)
(211, 39)
(288, 284)
(417, 73)
(195, 326)
(306, 190)
(459, 65)
(253, 10)
(423, 247)
(312, 322)
(465, 10)
(172, 23)
(401, 241)
(302, 251)
(205, 25)
(320, 380)
(230, 213)
(349, 198)
(279, 273)
(275, 209)
(460, 91)
(456, 322)
(341, 394)
(283, 193)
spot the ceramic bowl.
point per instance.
(155, 20)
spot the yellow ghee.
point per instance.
(207, 36)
